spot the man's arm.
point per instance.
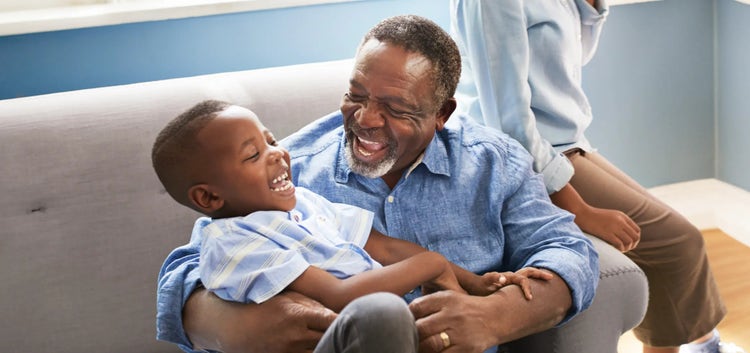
(189, 315)
(476, 323)
(289, 322)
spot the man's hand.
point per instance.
(473, 324)
(460, 316)
(288, 322)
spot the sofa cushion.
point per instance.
(86, 224)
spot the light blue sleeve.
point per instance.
(177, 279)
(538, 234)
(493, 38)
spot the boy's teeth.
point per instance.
(286, 186)
(280, 178)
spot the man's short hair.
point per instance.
(423, 36)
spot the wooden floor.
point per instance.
(730, 262)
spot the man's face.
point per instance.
(245, 166)
(389, 115)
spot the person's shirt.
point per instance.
(522, 62)
(253, 258)
(473, 197)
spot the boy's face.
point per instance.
(245, 167)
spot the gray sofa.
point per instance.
(86, 224)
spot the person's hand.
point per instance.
(445, 281)
(490, 282)
(288, 322)
(612, 226)
(522, 276)
(463, 318)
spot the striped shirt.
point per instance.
(253, 258)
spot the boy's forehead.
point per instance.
(235, 111)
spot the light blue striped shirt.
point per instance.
(521, 73)
(253, 258)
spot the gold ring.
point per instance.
(446, 339)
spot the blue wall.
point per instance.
(92, 57)
(733, 29)
(651, 90)
(651, 84)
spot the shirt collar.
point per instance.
(435, 159)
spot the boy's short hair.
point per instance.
(176, 149)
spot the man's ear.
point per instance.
(445, 113)
(204, 199)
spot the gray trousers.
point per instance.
(375, 323)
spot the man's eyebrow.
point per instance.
(390, 99)
(356, 84)
(400, 101)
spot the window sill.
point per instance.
(82, 16)
(72, 17)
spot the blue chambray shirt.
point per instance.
(521, 73)
(253, 258)
(473, 197)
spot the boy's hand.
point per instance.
(496, 280)
(446, 280)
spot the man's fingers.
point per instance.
(429, 304)
(316, 316)
(318, 319)
(431, 344)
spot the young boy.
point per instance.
(264, 235)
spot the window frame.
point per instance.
(69, 15)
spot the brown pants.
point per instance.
(684, 302)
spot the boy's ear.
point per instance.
(204, 199)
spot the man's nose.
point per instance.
(370, 116)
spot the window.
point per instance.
(17, 5)
(23, 16)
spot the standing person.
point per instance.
(452, 186)
(522, 64)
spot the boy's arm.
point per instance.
(388, 250)
(399, 278)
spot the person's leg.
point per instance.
(684, 301)
(374, 323)
(619, 305)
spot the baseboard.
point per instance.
(710, 204)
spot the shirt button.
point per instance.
(296, 218)
(390, 199)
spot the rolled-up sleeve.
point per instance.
(541, 235)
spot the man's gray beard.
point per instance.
(366, 170)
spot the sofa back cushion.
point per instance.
(86, 223)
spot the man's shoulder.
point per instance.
(471, 134)
(315, 137)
